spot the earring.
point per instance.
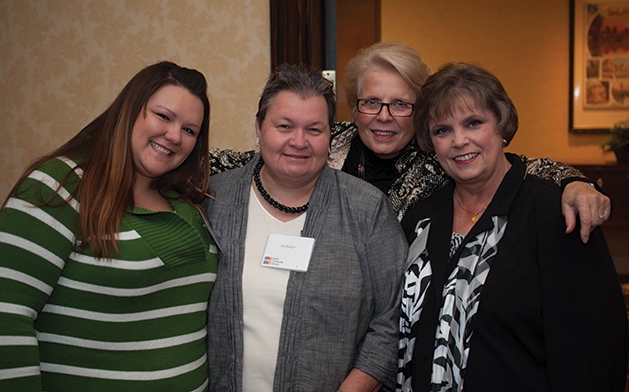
(504, 142)
(257, 142)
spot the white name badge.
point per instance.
(287, 252)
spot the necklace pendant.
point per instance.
(474, 219)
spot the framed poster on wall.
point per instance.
(599, 64)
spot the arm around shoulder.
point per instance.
(579, 198)
(223, 160)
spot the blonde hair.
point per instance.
(385, 56)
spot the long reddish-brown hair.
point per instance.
(103, 151)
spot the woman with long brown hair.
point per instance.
(106, 264)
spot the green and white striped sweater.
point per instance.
(70, 322)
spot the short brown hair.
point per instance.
(303, 80)
(444, 90)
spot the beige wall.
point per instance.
(524, 43)
(63, 62)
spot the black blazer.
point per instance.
(551, 315)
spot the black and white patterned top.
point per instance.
(461, 297)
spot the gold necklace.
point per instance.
(475, 216)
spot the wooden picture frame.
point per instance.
(599, 64)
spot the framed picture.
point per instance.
(599, 64)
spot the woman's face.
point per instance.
(468, 145)
(294, 138)
(384, 134)
(165, 134)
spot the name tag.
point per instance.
(287, 252)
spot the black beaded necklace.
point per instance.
(268, 198)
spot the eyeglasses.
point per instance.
(374, 107)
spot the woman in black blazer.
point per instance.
(497, 297)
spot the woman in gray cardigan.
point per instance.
(308, 285)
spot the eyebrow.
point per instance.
(397, 99)
(437, 125)
(168, 110)
(317, 123)
(174, 115)
(473, 117)
(292, 121)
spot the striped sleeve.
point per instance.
(35, 242)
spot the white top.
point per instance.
(264, 291)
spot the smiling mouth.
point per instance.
(296, 156)
(383, 133)
(466, 157)
(159, 148)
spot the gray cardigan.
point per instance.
(340, 314)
